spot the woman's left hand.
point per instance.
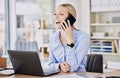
(67, 31)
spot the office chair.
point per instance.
(26, 46)
(94, 63)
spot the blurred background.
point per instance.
(33, 20)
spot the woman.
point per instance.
(68, 46)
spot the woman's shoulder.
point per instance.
(54, 36)
(84, 34)
(80, 34)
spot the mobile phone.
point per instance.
(71, 19)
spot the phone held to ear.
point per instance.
(71, 19)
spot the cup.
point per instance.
(3, 62)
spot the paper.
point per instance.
(66, 76)
(113, 65)
(73, 76)
(6, 72)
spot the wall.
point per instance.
(85, 16)
(115, 58)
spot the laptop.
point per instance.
(28, 63)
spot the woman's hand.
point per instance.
(64, 67)
(67, 32)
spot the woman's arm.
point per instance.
(76, 54)
(52, 61)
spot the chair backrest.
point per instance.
(94, 63)
(26, 46)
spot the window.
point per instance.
(33, 16)
(2, 27)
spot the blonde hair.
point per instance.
(70, 9)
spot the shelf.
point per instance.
(100, 11)
(106, 46)
(105, 53)
(104, 27)
(23, 29)
(33, 29)
(95, 46)
(107, 38)
(105, 24)
(44, 45)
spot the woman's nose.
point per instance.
(57, 16)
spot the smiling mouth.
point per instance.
(58, 22)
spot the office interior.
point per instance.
(33, 20)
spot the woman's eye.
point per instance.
(55, 14)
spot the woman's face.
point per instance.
(60, 15)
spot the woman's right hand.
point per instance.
(64, 67)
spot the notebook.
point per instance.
(28, 63)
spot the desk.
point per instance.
(114, 73)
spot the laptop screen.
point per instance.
(26, 62)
